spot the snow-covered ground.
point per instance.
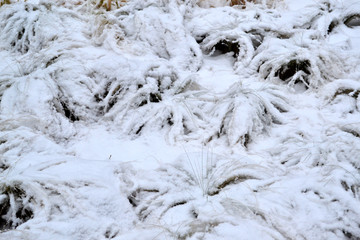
(180, 119)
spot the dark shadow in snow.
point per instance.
(14, 208)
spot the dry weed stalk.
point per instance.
(108, 5)
(240, 2)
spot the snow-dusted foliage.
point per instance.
(246, 111)
(169, 119)
(32, 27)
(15, 206)
(301, 62)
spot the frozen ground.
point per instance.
(165, 119)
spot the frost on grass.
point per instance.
(246, 111)
(344, 92)
(28, 27)
(287, 127)
(180, 196)
(306, 65)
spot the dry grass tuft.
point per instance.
(3, 2)
(240, 2)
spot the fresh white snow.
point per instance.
(171, 119)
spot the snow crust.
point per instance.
(165, 119)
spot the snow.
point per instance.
(217, 73)
(179, 120)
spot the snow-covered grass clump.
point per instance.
(175, 119)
